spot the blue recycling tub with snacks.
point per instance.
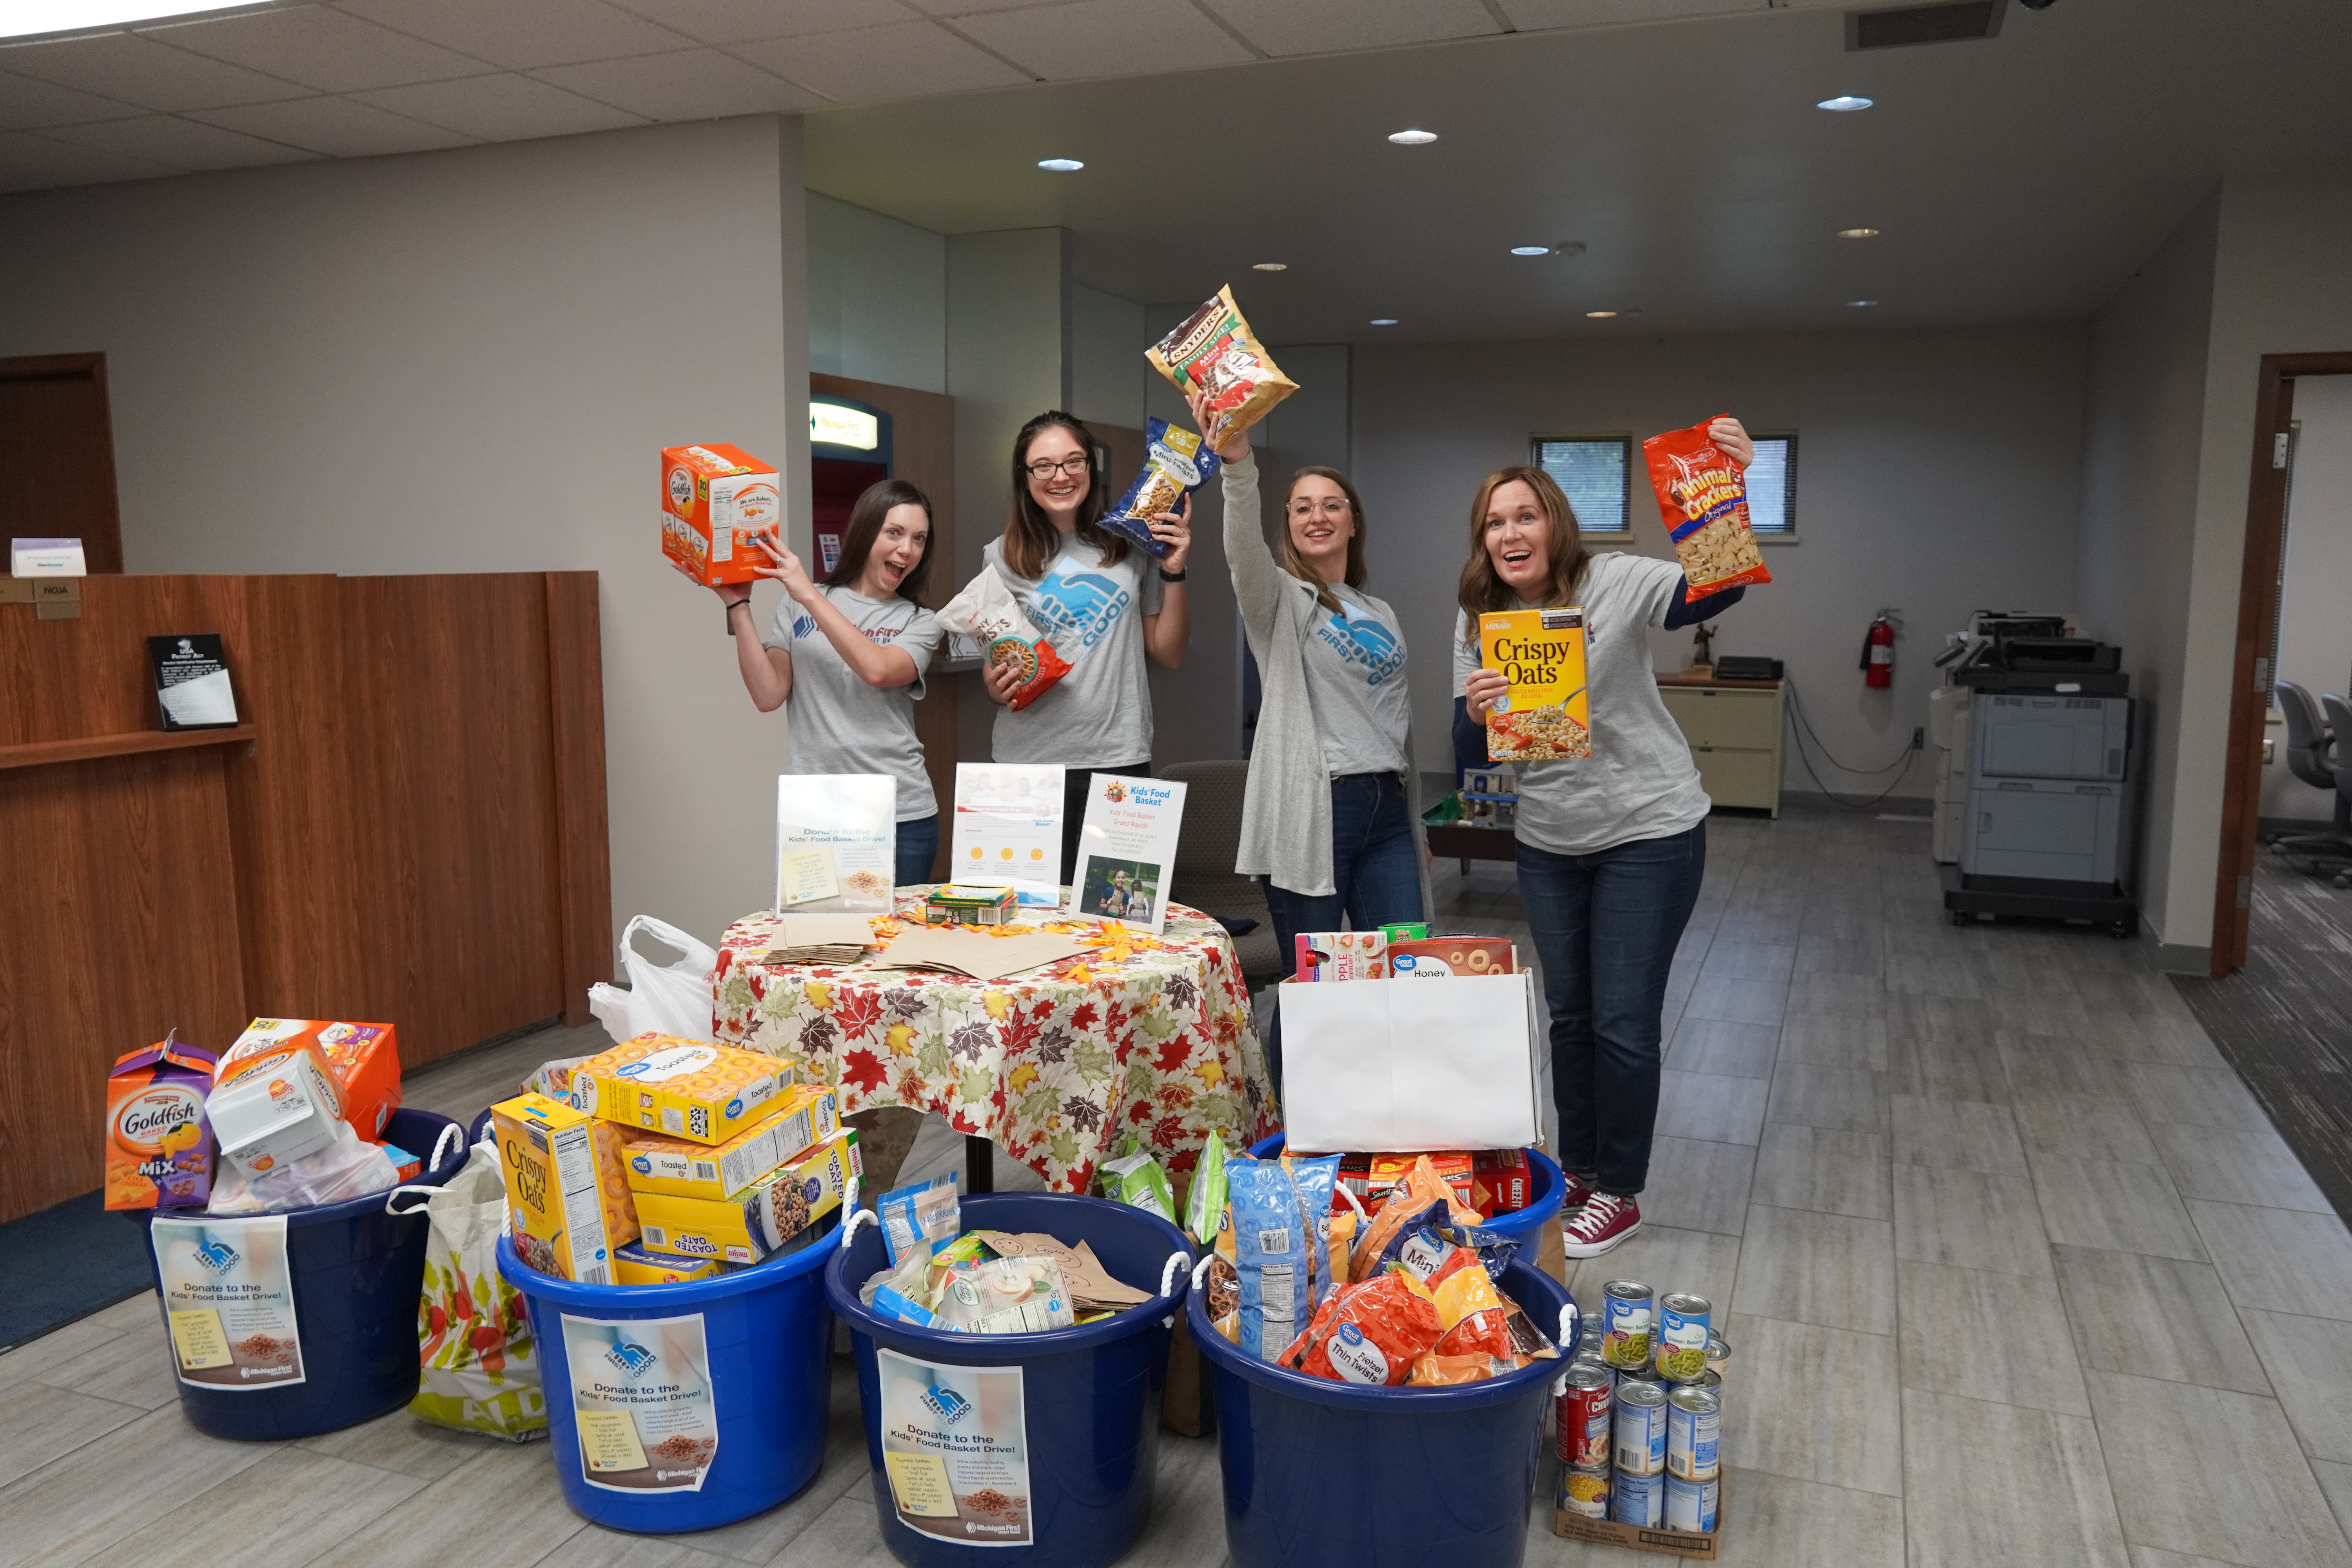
(1086, 1398)
(1525, 1226)
(356, 1273)
(762, 1392)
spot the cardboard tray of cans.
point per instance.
(1647, 1538)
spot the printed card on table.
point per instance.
(1008, 829)
(1126, 851)
(836, 842)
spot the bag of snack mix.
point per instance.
(1471, 1317)
(1270, 1256)
(1446, 1371)
(1703, 498)
(1421, 1198)
(1174, 466)
(1370, 1334)
(1314, 1177)
(1215, 353)
(987, 612)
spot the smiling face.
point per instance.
(1321, 524)
(1062, 488)
(898, 549)
(1519, 539)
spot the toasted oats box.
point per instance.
(564, 1187)
(799, 1118)
(746, 1226)
(682, 1088)
(637, 1264)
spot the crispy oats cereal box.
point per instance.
(746, 1226)
(158, 1146)
(684, 1088)
(1544, 715)
(799, 1118)
(1703, 498)
(714, 498)
(563, 1171)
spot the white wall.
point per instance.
(2316, 609)
(1107, 364)
(2144, 416)
(1938, 471)
(877, 297)
(464, 361)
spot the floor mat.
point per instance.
(68, 1262)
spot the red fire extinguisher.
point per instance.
(1878, 653)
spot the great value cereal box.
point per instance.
(800, 1118)
(565, 1190)
(703, 1093)
(714, 498)
(746, 1226)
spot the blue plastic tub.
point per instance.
(1091, 1395)
(357, 1274)
(768, 1338)
(1335, 1475)
(1522, 1226)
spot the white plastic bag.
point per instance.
(348, 1167)
(481, 1370)
(662, 999)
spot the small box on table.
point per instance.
(971, 904)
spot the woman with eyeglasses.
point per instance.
(1330, 822)
(1612, 847)
(1105, 604)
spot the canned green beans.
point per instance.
(1691, 1505)
(1626, 1316)
(1640, 1429)
(1718, 1351)
(1694, 1433)
(1682, 1322)
(1638, 1500)
(1587, 1410)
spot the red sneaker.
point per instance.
(1605, 1220)
(1579, 1191)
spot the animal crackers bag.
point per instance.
(1703, 496)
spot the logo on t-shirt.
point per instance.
(1076, 609)
(1364, 644)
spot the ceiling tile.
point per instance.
(144, 73)
(26, 103)
(181, 143)
(1325, 27)
(338, 127)
(521, 34)
(745, 21)
(1535, 16)
(501, 107)
(321, 48)
(697, 84)
(909, 59)
(29, 160)
(1106, 38)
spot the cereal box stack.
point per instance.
(1641, 1422)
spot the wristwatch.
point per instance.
(1167, 576)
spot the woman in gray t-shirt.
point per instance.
(848, 655)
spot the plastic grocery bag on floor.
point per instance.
(671, 998)
(481, 1368)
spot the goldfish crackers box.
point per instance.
(714, 498)
(159, 1145)
(565, 1188)
(682, 1088)
(362, 1060)
(1544, 716)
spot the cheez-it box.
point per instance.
(714, 498)
(362, 1060)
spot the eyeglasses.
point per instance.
(1076, 463)
(1335, 505)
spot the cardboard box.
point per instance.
(276, 1108)
(1341, 955)
(1445, 957)
(681, 1088)
(159, 1143)
(1662, 1541)
(714, 498)
(564, 1188)
(799, 1118)
(746, 1226)
(634, 1263)
(363, 1060)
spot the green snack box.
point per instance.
(1406, 931)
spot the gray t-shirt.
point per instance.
(835, 722)
(1099, 714)
(1640, 782)
(1356, 684)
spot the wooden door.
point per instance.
(57, 455)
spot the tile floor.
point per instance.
(2014, 1267)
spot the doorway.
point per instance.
(57, 456)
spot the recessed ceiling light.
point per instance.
(1413, 138)
(1531, 250)
(1843, 103)
(1600, 315)
(1384, 320)
(24, 18)
(1568, 248)
(1860, 304)
(1269, 266)
(1857, 234)
(1061, 166)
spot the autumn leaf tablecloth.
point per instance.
(1144, 1035)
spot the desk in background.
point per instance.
(1733, 729)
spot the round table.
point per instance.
(1143, 1036)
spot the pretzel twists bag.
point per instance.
(1174, 466)
(1703, 496)
(986, 611)
(1215, 353)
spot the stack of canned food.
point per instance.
(1640, 1418)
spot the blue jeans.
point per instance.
(1375, 875)
(1605, 927)
(918, 845)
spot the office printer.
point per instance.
(2012, 651)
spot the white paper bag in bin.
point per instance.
(1411, 1065)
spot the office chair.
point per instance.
(2319, 752)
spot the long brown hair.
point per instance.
(1296, 564)
(1481, 589)
(1031, 540)
(865, 525)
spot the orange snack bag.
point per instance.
(1435, 1370)
(1409, 1202)
(1369, 1333)
(1703, 498)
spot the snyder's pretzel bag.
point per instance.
(1174, 466)
(1215, 353)
(987, 613)
(1703, 496)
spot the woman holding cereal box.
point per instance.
(1612, 835)
(849, 653)
(1331, 822)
